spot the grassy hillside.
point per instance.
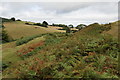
(89, 53)
(9, 50)
(114, 29)
(19, 29)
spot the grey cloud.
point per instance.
(59, 0)
(62, 12)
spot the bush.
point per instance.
(26, 39)
(59, 25)
(28, 23)
(44, 24)
(6, 37)
(38, 24)
(18, 20)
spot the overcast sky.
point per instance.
(61, 12)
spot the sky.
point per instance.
(61, 12)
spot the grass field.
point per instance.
(19, 29)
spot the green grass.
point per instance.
(9, 50)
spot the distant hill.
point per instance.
(18, 29)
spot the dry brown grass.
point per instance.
(18, 29)
(114, 29)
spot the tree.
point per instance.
(68, 30)
(53, 24)
(80, 26)
(44, 24)
(5, 37)
(13, 19)
(71, 26)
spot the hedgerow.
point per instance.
(27, 39)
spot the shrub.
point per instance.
(26, 39)
(59, 25)
(18, 20)
(6, 37)
(44, 24)
(38, 24)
